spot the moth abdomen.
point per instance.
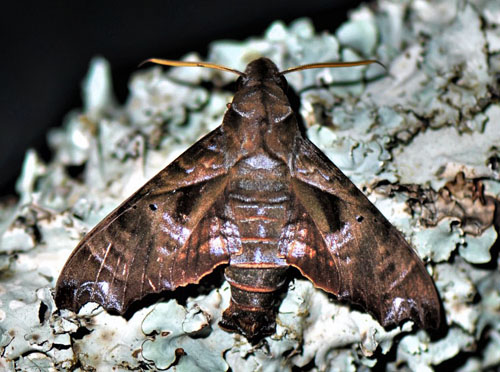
(254, 299)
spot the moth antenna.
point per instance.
(332, 64)
(168, 62)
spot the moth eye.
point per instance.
(153, 207)
(134, 207)
(359, 218)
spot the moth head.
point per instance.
(262, 70)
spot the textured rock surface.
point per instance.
(422, 141)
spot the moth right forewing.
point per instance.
(375, 266)
(146, 244)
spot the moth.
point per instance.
(257, 196)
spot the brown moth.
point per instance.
(257, 196)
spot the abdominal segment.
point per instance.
(255, 297)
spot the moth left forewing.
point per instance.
(164, 236)
(368, 260)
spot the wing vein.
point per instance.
(145, 266)
(102, 265)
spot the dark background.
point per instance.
(47, 46)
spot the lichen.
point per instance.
(463, 215)
(188, 338)
(421, 140)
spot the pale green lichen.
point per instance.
(360, 33)
(439, 242)
(435, 114)
(109, 341)
(446, 152)
(193, 330)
